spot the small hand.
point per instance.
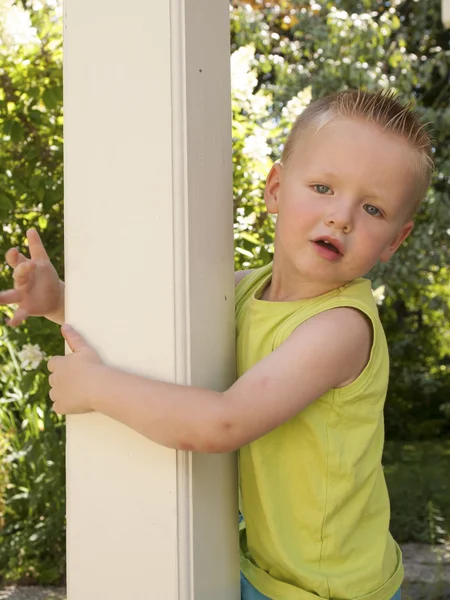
(37, 288)
(71, 375)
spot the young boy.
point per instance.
(306, 411)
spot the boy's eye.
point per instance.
(372, 210)
(322, 189)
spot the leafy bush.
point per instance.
(3, 480)
(31, 435)
(32, 540)
(416, 321)
(419, 489)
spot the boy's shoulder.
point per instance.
(239, 275)
(253, 276)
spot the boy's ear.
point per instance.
(397, 241)
(272, 188)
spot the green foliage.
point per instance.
(32, 543)
(416, 319)
(3, 479)
(31, 189)
(419, 489)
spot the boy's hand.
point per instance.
(37, 288)
(71, 375)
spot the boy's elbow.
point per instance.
(218, 431)
(219, 447)
(220, 438)
(208, 446)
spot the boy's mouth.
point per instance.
(330, 244)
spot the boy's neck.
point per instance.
(287, 285)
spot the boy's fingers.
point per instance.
(19, 317)
(74, 339)
(22, 271)
(36, 246)
(14, 257)
(10, 297)
(53, 363)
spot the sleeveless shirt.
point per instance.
(312, 491)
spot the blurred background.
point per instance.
(283, 54)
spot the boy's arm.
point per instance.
(327, 351)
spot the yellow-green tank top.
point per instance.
(313, 494)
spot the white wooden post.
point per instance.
(149, 273)
(446, 13)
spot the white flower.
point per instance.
(256, 146)
(15, 23)
(259, 103)
(243, 77)
(297, 105)
(30, 357)
(379, 294)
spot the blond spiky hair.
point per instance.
(381, 108)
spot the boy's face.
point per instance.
(342, 202)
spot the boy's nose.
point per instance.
(341, 221)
